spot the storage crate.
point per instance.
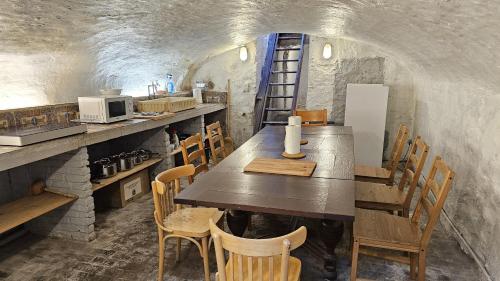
(168, 104)
(130, 189)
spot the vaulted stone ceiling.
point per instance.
(83, 42)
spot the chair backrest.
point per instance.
(312, 117)
(198, 155)
(413, 168)
(397, 150)
(165, 187)
(258, 252)
(439, 172)
(216, 141)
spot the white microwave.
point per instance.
(105, 109)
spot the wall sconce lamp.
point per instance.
(243, 53)
(327, 51)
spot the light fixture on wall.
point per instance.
(327, 51)
(243, 53)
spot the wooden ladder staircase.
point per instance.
(284, 57)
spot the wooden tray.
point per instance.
(303, 168)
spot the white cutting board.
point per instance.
(365, 111)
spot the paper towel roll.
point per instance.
(292, 139)
(295, 120)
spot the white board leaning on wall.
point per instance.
(365, 111)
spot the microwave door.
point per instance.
(116, 110)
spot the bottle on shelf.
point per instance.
(170, 84)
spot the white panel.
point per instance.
(365, 111)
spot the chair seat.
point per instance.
(294, 268)
(368, 173)
(379, 196)
(374, 228)
(192, 222)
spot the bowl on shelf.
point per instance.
(110, 92)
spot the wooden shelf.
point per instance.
(121, 175)
(27, 208)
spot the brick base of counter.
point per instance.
(67, 173)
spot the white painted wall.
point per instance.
(243, 76)
(460, 122)
(321, 86)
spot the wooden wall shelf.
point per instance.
(27, 208)
(121, 175)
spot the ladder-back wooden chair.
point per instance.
(197, 156)
(384, 175)
(381, 230)
(396, 198)
(219, 146)
(173, 221)
(312, 117)
(257, 259)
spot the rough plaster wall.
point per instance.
(461, 124)
(356, 70)
(243, 76)
(356, 62)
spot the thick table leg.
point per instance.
(331, 233)
(237, 221)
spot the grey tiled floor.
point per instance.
(126, 249)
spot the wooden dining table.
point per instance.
(328, 194)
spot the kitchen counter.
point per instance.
(11, 156)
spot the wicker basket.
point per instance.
(168, 104)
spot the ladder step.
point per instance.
(276, 71)
(288, 49)
(280, 97)
(278, 109)
(289, 38)
(275, 122)
(281, 84)
(285, 60)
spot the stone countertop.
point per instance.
(13, 156)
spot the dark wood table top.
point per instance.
(328, 194)
(318, 130)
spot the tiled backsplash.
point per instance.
(43, 114)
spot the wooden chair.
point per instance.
(196, 155)
(396, 198)
(173, 221)
(257, 259)
(381, 230)
(224, 146)
(384, 175)
(312, 117)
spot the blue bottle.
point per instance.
(170, 84)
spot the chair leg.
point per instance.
(406, 213)
(204, 247)
(161, 255)
(354, 266)
(249, 225)
(351, 233)
(413, 266)
(178, 250)
(421, 265)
